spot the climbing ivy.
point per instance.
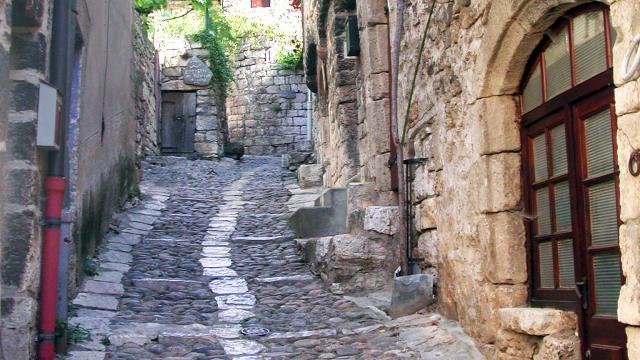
(220, 40)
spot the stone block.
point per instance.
(627, 97)
(498, 136)
(426, 183)
(502, 238)
(513, 345)
(206, 122)
(310, 175)
(371, 13)
(490, 298)
(562, 345)
(382, 219)
(179, 85)
(20, 238)
(428, 247)
(499, 186)
(377, 86)
(29, 52)
(375, 50)
(426, 213)
(633, 342)
(628, 141)
(22, 183)
(207, 149)
(536, 321)
(629, 300)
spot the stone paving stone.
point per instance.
(229, 286)
(102, 287)
(219, 272)
(124, 238)
(215, 262)
(97, 301)
(115, 266)
(109, 276)
(218, 256)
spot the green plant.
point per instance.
(105, 341)
(220, 40)
(90, 267)
(290, 57)
(276, 108)
(75, 333)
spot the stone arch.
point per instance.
(513, 32)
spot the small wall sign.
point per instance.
(196, 73)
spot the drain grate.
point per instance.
(255, 331)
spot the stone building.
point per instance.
(57, 62)
(193, 118)
(527, 198)
(267, 106)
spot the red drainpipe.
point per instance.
(54, 187)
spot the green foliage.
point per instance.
(90, 267)
(105, 341)
(276, 108)
(220, 40)
(75, 333)
(147, 6)
(291, 59)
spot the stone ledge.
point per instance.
(536, 321)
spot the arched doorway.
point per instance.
(570, 174)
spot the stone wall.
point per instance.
(100, 147)
(147, 93)
(464, 118)
(267, 106)
(23, 170)
(5, 48)
(211, 129)
(625, 17)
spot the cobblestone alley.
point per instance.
(206, 253)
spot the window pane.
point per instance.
(603, 214)
(599, 143)
(559, 150)
(540, 157)
(565, 260)
(589, 42)
(545, 263)
(558, 64)
(563, 207)
(607, 283)
(532, 95)
(543, 212)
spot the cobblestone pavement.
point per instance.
(207, 253)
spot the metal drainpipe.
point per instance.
(55, 183)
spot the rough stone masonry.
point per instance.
(208, 252)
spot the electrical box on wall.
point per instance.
(49, 114)
(353, 36)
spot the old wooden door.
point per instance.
(178, 122)
(571, 174)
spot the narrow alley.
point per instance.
(208, 252)
(320, 179)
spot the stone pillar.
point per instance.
(26, 65)
(625, 18)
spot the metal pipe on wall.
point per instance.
(63, 38)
